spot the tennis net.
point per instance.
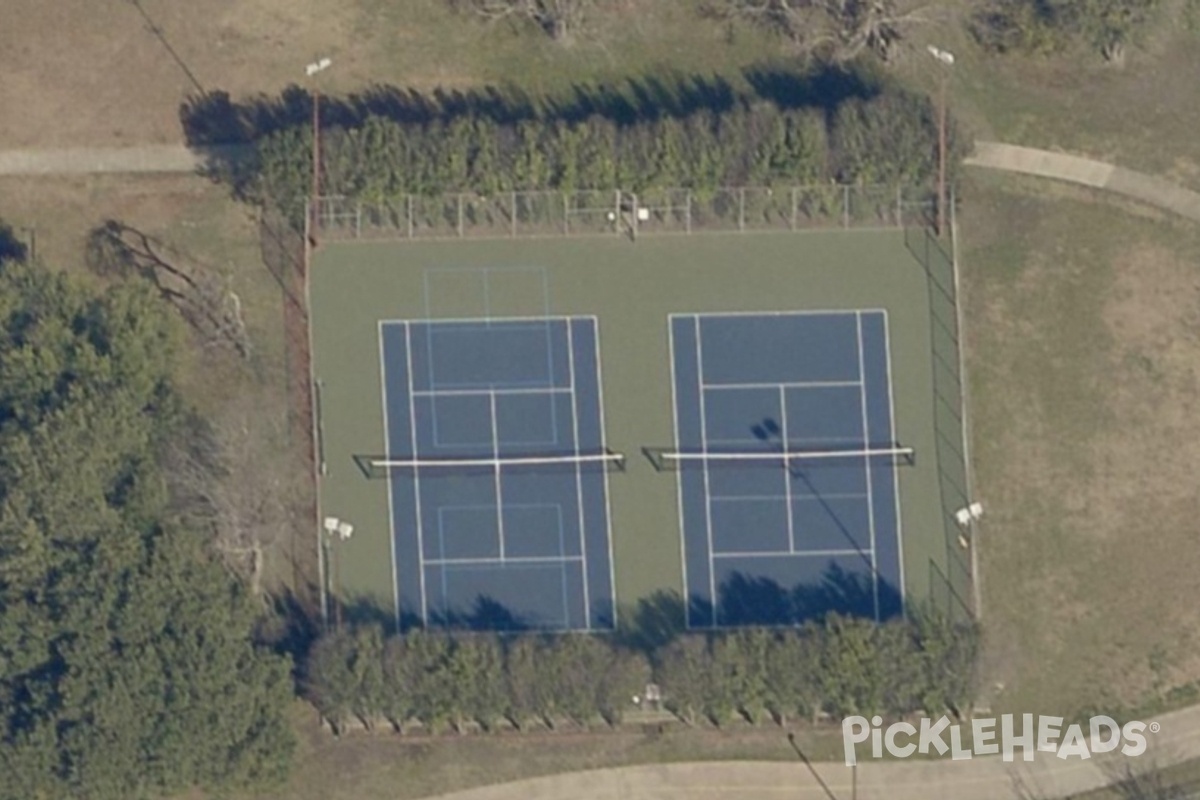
(666, 460)
(382, 466)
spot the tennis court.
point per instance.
(497, 473)
(787, 464)
(480, 404)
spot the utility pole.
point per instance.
(947, 59)
(311, 70)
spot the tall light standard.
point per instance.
(311, 70)
(947, 58)
(335, 530)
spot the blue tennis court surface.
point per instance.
(495, 545)
(794, 534)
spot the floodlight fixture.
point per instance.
(318, 66)
(944, 56)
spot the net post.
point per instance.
(846, 206)
(358, 220)
(513, 214)
(742, 208)
(459, 199)
(795, 207)
(408, 213)
(687, 219)
(566, 216)
(617, 216)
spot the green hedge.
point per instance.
(842, 666)
(889, 139)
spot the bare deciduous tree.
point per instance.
(198, 292)
(228, 476)
(561, 19)
(832, 30)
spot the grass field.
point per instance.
(1083, 338)
(632, 288)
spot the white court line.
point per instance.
(716, 387)
(612, 574)
(484, 322)
(822, 312)
(484, 391)
(787, 475)
(862, 374)
(712, 573)
(578, 488)
(788, 554)
(679, 477)
(387, 445)
(496, 467)
(495, 562)
(412, 422)
(737, 498)
(887, 349)
(749, 498)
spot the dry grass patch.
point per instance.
(383, 766)
(1084, 336)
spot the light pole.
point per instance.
(311, 70)
(947, 59)
(341, 531)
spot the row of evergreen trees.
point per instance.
(459, 681)
(128, 663)
(889, 139)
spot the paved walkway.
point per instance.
(987, 778)
(96, 160)
(1060, 166)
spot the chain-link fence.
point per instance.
(615, 212)
(950, 583)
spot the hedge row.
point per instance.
(890, 139)
(840, 667)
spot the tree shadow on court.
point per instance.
(847, 594)
(653, 622)
(365, 611)
(487, 614)
(746, 599)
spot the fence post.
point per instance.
(513, 215)
(899, 207)
(460, 215)
(846, 206)
(795, 208)
(742, 209)
(358, 220)
(566, 220)
(409, 211)
(687, 213)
